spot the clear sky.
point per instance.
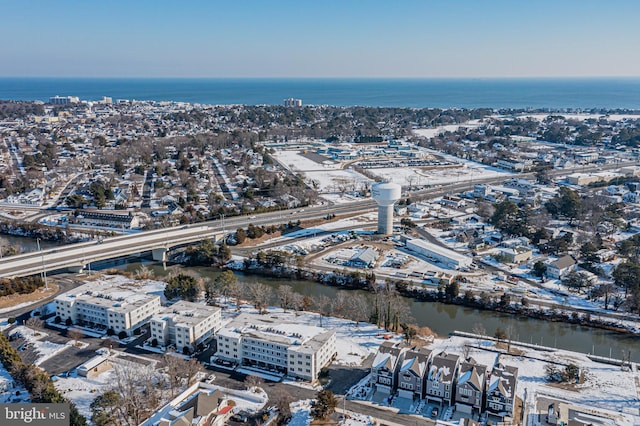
(319, 38)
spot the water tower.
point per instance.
(385, 194)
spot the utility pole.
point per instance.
(44, 272)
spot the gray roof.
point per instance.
(564, 262)
(366, 256)
(443, 367)
(472, 373)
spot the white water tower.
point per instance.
(385, 194)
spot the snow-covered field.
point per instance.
(346, 180)
(295, 161)
(336, 180)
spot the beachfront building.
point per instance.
(449, 258)
(107, 305)
(185, 325)
(292, 102)
(299, 351)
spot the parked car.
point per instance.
(435, 411)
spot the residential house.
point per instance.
(517, 254)
(412, 372)
(443, 371)
(200, 405)
(470, 387)
(557, 269)
(384, 370)
(501, 391)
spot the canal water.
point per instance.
(443, 318)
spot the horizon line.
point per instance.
(333, 77)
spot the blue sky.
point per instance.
(320, 38)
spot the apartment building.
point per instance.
(107, 305)
(185, 325)
(295, 350)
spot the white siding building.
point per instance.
(296, 350)
(185, 324)
(449, 258)
(110, 305)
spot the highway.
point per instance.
(78, 255)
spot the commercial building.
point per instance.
(185, 324)
(108, 220)
(63, 100)
(107, 305)
(448, 258)
(296, 350)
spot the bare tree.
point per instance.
(138, 389)
(180, 372)
(512, 334)
(34, 323)
(297, 301)
(283, 405)
(75, 334)
(322, 304)
(236, 290)
(253, 382)
(259, 294)
(359, 308)
(339, 304)
(478, 328)
(286, 295)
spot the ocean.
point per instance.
(554, 93)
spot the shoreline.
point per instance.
(566, 315)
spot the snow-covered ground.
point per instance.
(301, 416)
(44, 348)
(605, 387)
(82, 390)
(295, 161)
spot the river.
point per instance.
(443, 318)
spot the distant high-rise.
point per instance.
(385, 195)
(63, 100)
(291, 102)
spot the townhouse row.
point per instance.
(444, 378)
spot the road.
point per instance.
(75, 255)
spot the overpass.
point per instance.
(75, 257)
